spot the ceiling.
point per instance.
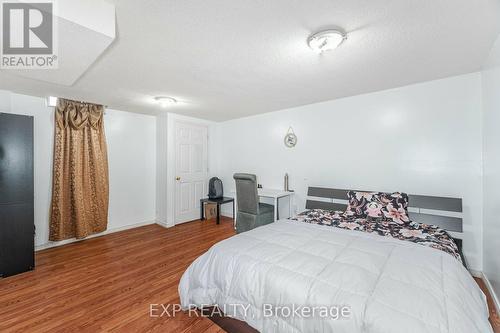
(224, 59)
(85, 29)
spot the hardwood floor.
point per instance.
(106, 284)
(494, 318)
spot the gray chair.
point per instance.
(251, 213)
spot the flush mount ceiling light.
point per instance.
(326, 40)
(165, 101)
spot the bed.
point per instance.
(299, 275)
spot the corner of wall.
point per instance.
(490, 114)
(161, 167)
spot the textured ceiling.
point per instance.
(225, 59)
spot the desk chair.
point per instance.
(251, 213)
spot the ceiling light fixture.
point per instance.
(165, 101)
(326, 40)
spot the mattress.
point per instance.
(387, 285)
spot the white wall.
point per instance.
(131, 143)
(420, 139)
(131, 139)
(491, 160)
(161, 169)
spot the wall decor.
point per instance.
(290, 138)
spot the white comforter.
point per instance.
(389, 285)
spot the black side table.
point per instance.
(218, 201)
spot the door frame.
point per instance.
(172, 119)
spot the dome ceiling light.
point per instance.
(326, 40)
(165, 101)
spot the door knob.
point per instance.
(177, 178)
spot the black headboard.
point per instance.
(441, 211)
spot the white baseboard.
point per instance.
(50, 244)
(492, 293)
(163, 224)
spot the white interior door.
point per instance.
(191, 170)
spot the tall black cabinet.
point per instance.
(16, 194)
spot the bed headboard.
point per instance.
(441, 211)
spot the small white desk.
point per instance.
(276, 195)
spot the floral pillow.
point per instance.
(396, 207)
(393, 206)
(364, 204)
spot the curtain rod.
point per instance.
(84, 102)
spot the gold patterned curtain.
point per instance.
(80, 182)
